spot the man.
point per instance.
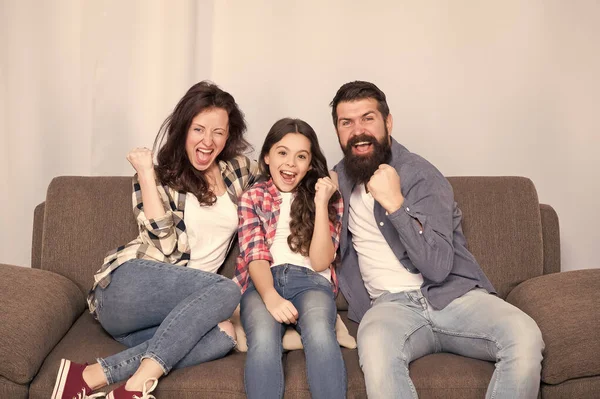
(408, 277)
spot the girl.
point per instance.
(169, 315)
(288, 234)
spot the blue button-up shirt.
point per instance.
(436, 248)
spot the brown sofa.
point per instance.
(516, 240)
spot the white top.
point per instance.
(209, 230)
(380, 269)
(280, 250)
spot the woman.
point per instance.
(171, 316)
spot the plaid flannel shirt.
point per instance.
(164, 239)
(258, 211)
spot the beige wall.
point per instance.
(82, 82)
(477, 87)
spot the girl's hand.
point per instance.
(141, 160)
(281, 309)
(324, 189)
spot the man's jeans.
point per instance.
(166, 313)
(312, 296)
(403, 327)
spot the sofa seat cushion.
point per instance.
(588, 387)
(9, 389)
(441, 375)
(86, 341)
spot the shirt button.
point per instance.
(407, 209)
(381, 223)
(386, 213)
(420, 231)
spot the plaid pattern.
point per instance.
(258, 211)
(165, 239)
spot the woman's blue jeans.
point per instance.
(166, 313)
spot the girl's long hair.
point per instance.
(302, 215)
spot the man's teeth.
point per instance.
(361, 143)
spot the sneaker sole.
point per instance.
(61, 379)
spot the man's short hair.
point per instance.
(359, 90)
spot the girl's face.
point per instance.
(289, 160)
(207, 137)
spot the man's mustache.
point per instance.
(361, 138)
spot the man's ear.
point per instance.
(389, 123)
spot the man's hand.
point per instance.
(384, 186)
(281, 309)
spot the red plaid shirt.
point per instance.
(258, 212)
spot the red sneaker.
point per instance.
(121, 393)
(70, 383)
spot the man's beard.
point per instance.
(360, 168)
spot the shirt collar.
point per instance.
(223, 166)
(273, 190)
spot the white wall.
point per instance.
(476, 87)
(82, 82)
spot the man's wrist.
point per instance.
(393, 206)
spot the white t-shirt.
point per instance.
(280, 250)
(209, 230)
(380, 268)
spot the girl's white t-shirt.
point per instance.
(280, 250)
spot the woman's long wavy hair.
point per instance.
(174, 168)
(302, 215)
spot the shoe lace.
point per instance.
(146, 391)
(84, 395)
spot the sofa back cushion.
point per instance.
(85, 217)
(502, 224)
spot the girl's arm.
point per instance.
(322, 250)
(281, 309)
(255, 253)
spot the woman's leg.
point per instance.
(217, 343)
(182, 305)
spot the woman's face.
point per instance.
(207, 137)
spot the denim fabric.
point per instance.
(403, 327)
(166, 313)
(312, 295)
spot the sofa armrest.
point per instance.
(38, 308)
(565, 307)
